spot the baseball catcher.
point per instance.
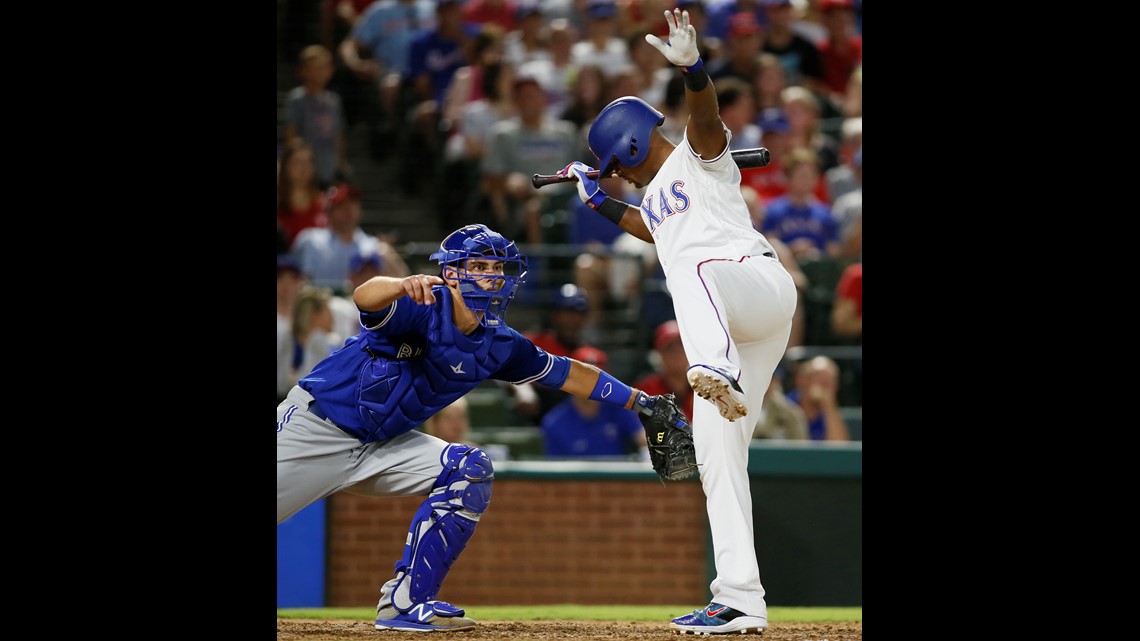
(425, 341)
(669, 435)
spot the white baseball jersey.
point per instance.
(734, 303)
(695, 211)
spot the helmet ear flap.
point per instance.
(622, 131)
(609, 168)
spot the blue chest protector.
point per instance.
(411, 361)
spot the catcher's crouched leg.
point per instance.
(440, 530)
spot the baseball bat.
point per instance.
(744, 158)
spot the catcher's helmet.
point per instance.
(478, 241)
(621, 132)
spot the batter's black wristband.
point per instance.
(696, 80)
(613, 209)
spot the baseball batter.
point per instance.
(426, 341)
(733, 301)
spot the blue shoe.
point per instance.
(715, 385)
(425, 617)
(718, 619)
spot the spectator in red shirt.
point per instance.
(501, 12)
(842, 51)
(300, 200)
(670, 367)
(847, 310)
(771, 181)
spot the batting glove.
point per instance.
(681, 49)
(588, 189)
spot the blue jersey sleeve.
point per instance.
(529, 363)
(400, 317)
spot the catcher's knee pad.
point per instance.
(443, 524)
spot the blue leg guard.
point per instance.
(441, 527)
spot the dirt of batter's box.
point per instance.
(344, 630)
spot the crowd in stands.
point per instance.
(478, 95)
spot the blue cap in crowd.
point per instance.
(773, 120)
(286, 263)
(528, 7)
(601, 9)
(570, 297)
(360, 260)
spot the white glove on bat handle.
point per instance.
(681, 49)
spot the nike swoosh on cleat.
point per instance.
(713, 613)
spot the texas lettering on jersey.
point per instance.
(676, 202)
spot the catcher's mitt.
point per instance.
(669, 435)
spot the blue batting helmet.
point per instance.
(482, 292)
(621, 132)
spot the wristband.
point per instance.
(644, 403)
(612, 209)
(611, 390)
(696, 66)
(696, 78)
(596, 200)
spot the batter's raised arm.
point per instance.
(705, 128)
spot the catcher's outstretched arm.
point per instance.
(667, 433)
(587, 381)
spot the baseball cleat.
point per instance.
(718, 619)
(426, 617)
(716, 386)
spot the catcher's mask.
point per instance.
(620, 133)
(489, 292)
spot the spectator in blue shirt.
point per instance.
(582, 428)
